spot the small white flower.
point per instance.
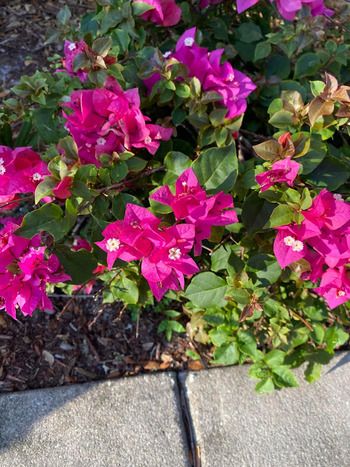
(167, 54)
(2, 161)
(298, 246)
(174, 253)
(184, 184)
(338, 197)
(113, 244)
(340, 293)
(101, 141)
(189, 41)
(88, 145)
(230, 77)
(148, 140)
(2, 170)
(289, 241)
(36, 177)
(72, 46)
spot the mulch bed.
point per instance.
(24, 28)
(86, 342)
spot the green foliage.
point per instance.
(241, 305)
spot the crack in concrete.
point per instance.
(189, 429)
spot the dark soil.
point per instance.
(84, 343)
(24, 28)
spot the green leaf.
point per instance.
(274, 358)
(48, 218)
(249, 32)
(183, 90)
(330, 174)
(307, 64)
(175, 163)
(64, 15)
(255, 212)
(78, 264)
(102, 45)
(262, 50)
(226, 355)
(281, 215)
(313, 372)
(217, 168)
(265, 268)
(141, 7)
(284, 377)
(265, 386)
(207, 290)
(44, 188)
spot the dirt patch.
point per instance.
(86, 343)
(24, 28)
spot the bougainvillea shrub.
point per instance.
(190, 157)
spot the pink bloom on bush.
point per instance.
(192, 204)
(283, 171)
(21, 170)
(107, 120)
(232, 86)
(335, 287)
(289, 8)
(126, 239)
(71, 51)
(168, 262)
(162, 12)
(323, 240)
(25, 271)
(328, 211)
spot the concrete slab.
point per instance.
(308, 426)
(131, 422)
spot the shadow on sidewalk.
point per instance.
(20, 411)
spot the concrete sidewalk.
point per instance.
(140, 422)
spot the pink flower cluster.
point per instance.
(283, 171)
(192, 204)
(25, 270)
(21, 170)
(233, 86)
(162, 12)
(107, 120)
(164, 251)
(287, 8)
(71, 51)
(323, 240)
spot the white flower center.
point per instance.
(340, 293)
(148, 140)
(101, 141)
(289, 241)
(135, 224)
(2, 161)
(88, 145)
(189, 41)
(36, 177)
(231, 77)
(113, 244)
(72, 46)
(296, 245)
(174, 253)
(338, 197)
(167, 54)
(2, 170)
